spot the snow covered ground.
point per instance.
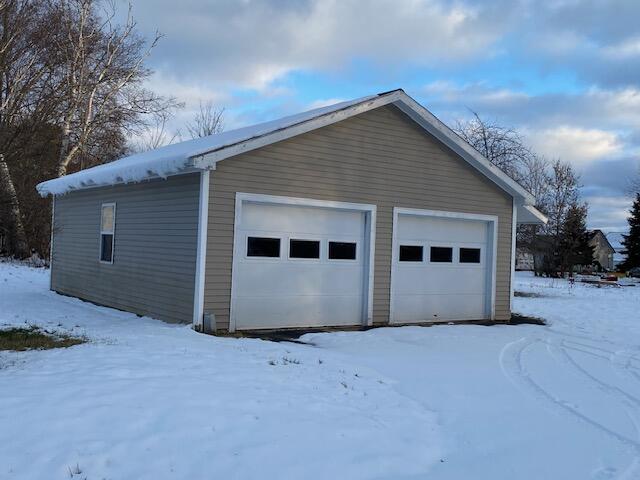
(148, 400)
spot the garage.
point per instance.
(443, 266)
(300, 263)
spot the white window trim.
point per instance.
(344, 260)
(412, 243)
(368, 257)
(308, 238)
(492, 250)
(112, 233)
(259, 258)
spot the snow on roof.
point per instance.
(204, 153)
(172, 159)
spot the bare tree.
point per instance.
(209, 120)
(155, 135)
(24, 73)
(102, 70)
(500, 145)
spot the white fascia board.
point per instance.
(435, 127)
(208, 160)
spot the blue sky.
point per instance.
(564, 73)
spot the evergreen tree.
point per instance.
(573, 244)
(631, 242)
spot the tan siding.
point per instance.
(379, 157)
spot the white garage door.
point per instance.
(298, 266)
(442, 269)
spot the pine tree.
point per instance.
(574, 248)
(631, 241)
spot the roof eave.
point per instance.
(208, 159)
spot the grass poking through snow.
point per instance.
(34, 338)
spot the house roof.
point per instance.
(594, 233)
(204, 153)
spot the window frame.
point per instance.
(262, 258)
(467, 247)
(412, 262)
(305, 239)
(442, 245)
(355, 242)
(104, 232)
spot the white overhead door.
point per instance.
(442, 268)
(298, 266)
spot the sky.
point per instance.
(563, 73)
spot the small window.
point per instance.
(263, 247)
(411, 253)
(107, 230)
(469, 255)
(304, 249)
(342, 251)
(441, 254)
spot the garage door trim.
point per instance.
(370, 235)
(492, 249)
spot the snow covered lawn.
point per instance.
(148, 400)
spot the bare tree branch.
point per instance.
(209, 120)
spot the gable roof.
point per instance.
(204, 153)
(596, 232)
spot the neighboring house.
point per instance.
(524, 259)
(368, 212)
(603, 252)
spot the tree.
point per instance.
(102, 70)
(573, 245)
(500, 145)
(561, 197)
(631, 241)
(25, 75)
(71, 93)
(208, 120)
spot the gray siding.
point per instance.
(379, 157)
(153, 272)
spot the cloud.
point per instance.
(251, 44)
(574, 144)
(608, 213)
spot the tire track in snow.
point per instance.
(621, 362)
(514, 369)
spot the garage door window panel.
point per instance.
(342, 250)
(265, 247)
(438, 254)
(470, 255)
(304, 249)
(411, 253)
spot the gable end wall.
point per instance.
(379, 157)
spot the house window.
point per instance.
(263, 247)
(469, 255)
(304, 249)
(411, 253)
(342, 250)
(442, 254)
(107, 231)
